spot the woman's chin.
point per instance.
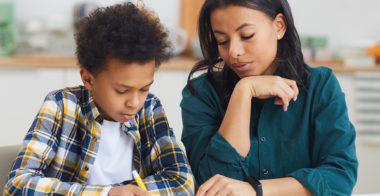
(248, 74)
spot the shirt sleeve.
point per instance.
(333, 151)
(28, 172)
(172, 173)
(209, 152)
(106, 190)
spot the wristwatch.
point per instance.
(256, 185)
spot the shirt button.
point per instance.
(265, 171)
(263, 139)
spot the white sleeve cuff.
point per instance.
(106, 190)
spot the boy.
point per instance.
(88, 139)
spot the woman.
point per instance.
(260, 119)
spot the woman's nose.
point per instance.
(236, 48)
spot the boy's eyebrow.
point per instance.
(237, 29)
(126, 86)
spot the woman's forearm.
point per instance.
(284, 186)
(236, 122)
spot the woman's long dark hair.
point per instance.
(289, 56)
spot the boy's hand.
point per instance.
(127, 190)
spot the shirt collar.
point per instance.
(90, 108)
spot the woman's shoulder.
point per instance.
(200, 84)
(319, 72)
(320, 75)
(201, 89)
(201, 79)
(323, 81)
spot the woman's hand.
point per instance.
(221, 185)
(263, 87)
(127, 190)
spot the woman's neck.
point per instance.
(271, 69)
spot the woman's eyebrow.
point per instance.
(244, 25)
(237, 29)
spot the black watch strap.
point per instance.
(256, 185)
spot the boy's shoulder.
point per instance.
(73, 94)
(70, 99)
(68, 103)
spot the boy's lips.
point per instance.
(128, 116)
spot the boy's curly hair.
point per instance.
(123, 31)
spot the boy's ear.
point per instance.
(87, 78)
(280, 25)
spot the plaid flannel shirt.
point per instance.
(61, 146)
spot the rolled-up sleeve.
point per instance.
(172, 173)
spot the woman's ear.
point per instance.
(280, 25)
(87, 78)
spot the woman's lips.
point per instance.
(241, 66)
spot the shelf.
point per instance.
(183, 63)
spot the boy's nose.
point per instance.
(133, 101)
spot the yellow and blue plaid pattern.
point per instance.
(61, 146)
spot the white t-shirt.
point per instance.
(113, 163)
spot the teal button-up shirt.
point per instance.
(313, 141)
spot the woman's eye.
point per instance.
(247, 37)
(144, 90)
(222, 43)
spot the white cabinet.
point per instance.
(363, 89)
(347, 82)
(168, 87)
(22, 91)
(367, 146)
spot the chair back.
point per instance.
(7, 156)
